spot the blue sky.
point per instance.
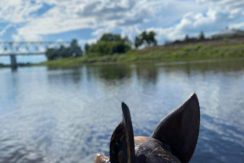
(87, 20)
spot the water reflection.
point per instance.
(65, 75)
(147, 73)
(113, 72)
(67, 115)
(205, 67)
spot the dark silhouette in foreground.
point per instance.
(173, 141)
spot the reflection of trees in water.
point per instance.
(147, 73)
(114, 72)
(65, 75)
(109, 73)
(205, 67)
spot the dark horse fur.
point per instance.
(173, 141)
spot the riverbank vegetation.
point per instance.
(73, 50)
(112, 48)
(109, 44)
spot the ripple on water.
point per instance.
(67, 116)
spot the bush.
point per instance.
(109, 44)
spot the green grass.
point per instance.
(167, 54)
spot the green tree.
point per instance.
(201, 36)
(108, 37)
(110, 44)
(51, 54)
(151, 38)
(138, 42)
(146, 38)
(73, 50)
(87, 48)
(186, 38)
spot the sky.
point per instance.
(87, 20)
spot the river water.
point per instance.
(68, 115)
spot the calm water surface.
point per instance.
(66, 116)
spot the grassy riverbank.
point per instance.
(208, 50)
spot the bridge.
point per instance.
(12, 49)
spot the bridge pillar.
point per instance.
(13, 61)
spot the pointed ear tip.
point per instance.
(125, 109)
(194, 97)
(123, 104)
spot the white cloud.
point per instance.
(217, 17)
(74, 14)
(17, 11)
(170, 18)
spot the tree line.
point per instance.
(202, 38)
(146, 38)
(73, 50)
(116, 44)
(112, 44)
(107, 44)
(188, 39)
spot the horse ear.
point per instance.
(180, 129)
(122, 148)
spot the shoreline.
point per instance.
(192, 52)
(172, 63)
(166, 55)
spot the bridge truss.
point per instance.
(28, 48)
(12, 49)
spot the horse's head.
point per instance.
(173, 140)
